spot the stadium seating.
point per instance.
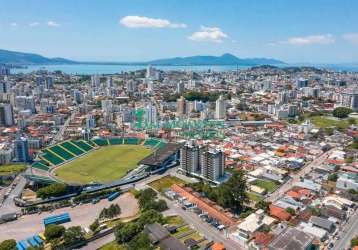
(151, 142)
(132, 140)
(85, 146)
(40, 165)
(72, 148)
(101, 142)
(116, 141)
(61, 152)
(53, 159)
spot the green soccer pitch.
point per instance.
(102, 165)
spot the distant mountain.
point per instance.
(13, 57)
(21, 58)
(225, 59)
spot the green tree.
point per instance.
(341, 112)
(127, 232)
(94, 226)
(149, 217)
(262, 205)
(52, 190)
(354, 242)
(232, 194)
(291, 211)
(333, 177)
(54, 231)
(73, 235)
(140, 242)
(8, 245)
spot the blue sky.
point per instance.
(315, 31)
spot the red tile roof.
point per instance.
(279, 213)
(263, 239)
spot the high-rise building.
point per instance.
(6, 115)
(90, 122)
(181, 106)
(95, 81)
(150, 115)
(109, 82)
(180, 87)
(212, 164)
(77, 96)
(199, 161)
(150, 87)
(49, 82)
(22, 150)
(4, 87)
(220, 108)
(301, 83)
(107, 106)
(26, 103)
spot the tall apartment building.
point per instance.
(220, 108)
(22, 150)
(181, 109)
(212, 164)
(199, 161)
(6, 115)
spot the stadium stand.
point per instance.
(82, 144)
(61, 152)
(151, 142)
(100, 142)
(72, 148)
(116, 141)
(51, 158)
(132, 140)
(39, 165)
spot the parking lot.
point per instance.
(82, 215)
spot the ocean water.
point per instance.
(90, 69)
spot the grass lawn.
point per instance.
(166, 182)
(11, 169)
(112, 246)
(270, 186)
(174, 220)
(254, 197)
(103, 165)
(182, 230)
(326, 121)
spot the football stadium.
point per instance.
(100, 160)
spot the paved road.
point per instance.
(350, 230)
(59, 135)
(99, 242)
(296, 177)
(202, 227)
(8, 205)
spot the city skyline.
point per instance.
(304, 32)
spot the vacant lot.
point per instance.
(269, 186)
(165, 183)
(103, 165)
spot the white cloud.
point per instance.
(208, 34)
(351, 37)
(310, 40)
(53, 24)
(13, 24)
(34, 24)
(147, 22)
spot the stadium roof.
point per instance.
(158, 157)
